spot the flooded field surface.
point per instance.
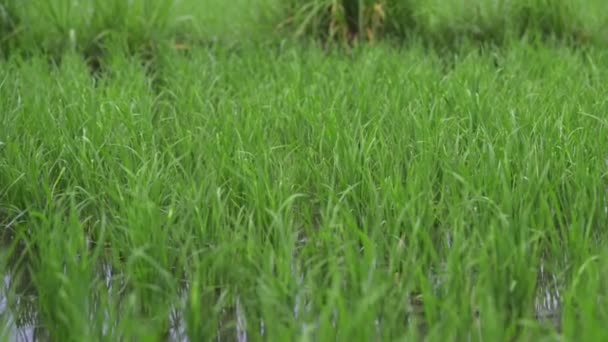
(24, 327)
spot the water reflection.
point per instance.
(177, 328)
(18, 321)
(20, 327)
(548, 303)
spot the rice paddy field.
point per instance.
(255, 171)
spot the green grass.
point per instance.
(284, 180)
(167, 157)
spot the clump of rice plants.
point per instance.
(337, 20)
(446, 22)
(86, 27)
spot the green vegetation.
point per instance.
(442, 22)
(176, 165)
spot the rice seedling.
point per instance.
(281, 191)
(277, 195)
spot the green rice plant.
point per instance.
(9, 26)
(319, 18)
(337, 20)
(450, 23)
(276, 194)
(86, 26)
(549, 18)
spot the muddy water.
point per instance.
(547, 307)
(18, 329)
